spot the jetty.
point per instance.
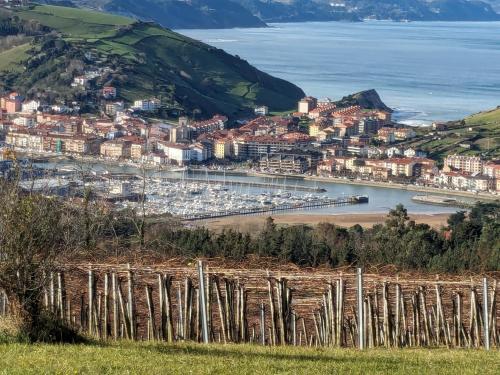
(441, 201)
(320, 203)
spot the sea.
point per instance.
(426, 71)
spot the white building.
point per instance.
(411, 153)
(80, 81)
(393, 151)
(26, 121)
(177, 152)
(263, 110)
(30, 106)
(146, 104)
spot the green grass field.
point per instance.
(134, 358)
(9, 60)
(75, 22)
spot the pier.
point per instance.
(329, 202)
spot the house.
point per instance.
(80, 81)
(261, 110)
(11, 103)
(439, 126)
(147, 105)
(393, 151)
(27, 121)
(376, 152)
(109, 92)
(386, 135)
(30, 106)
(402, 134)
(412, 153)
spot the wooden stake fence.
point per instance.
(206, 305)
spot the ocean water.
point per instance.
(427, 71)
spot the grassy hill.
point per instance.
(148, 358)
(141, 60)
(481, 131)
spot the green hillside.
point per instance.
(141, 60)
(478, 134)
(485, 118)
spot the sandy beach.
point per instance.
(255, 223)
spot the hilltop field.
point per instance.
(147, 358)
(140, 59)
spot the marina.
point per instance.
(381, 200)
(194, 200)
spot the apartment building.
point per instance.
(116, 148)
(470, 164)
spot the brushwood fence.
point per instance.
(330, 308)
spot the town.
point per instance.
(319, 139)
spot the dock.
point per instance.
(323, 203)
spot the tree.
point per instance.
(30, 241)
(397, 218)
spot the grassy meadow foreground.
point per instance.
(242, 359)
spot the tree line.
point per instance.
(469, 242)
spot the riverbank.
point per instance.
(253, 224)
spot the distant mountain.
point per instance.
(426, 10)
(45, 47)
(397, 10)
(179, 14)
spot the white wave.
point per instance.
(220, 40)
